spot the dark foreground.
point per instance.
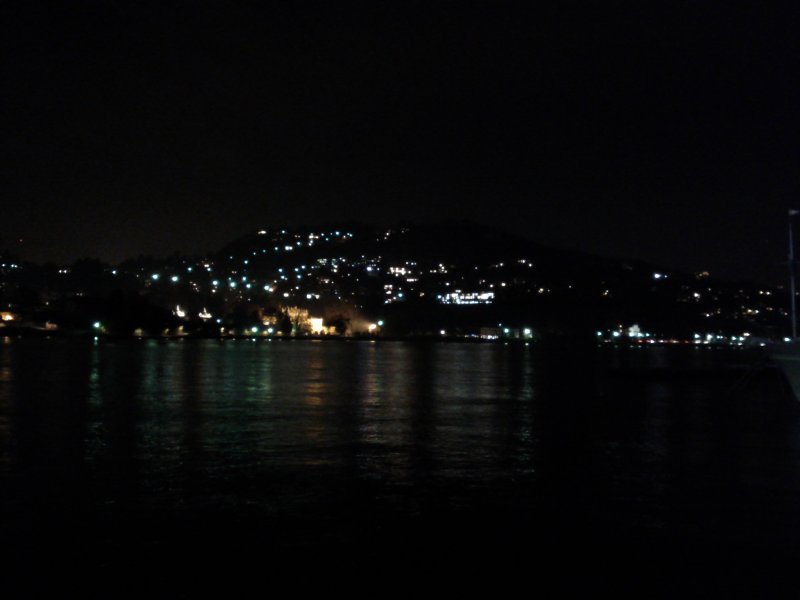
(162, 468)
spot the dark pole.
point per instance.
(792, 213)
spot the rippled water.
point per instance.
(139, 453)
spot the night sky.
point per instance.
(662, 131)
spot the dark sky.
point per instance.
(664, 131)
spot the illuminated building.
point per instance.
(316, 325)
(459, 297)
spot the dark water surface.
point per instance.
(677, 469)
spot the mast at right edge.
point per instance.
(792, 213)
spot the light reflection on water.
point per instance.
(161, 415)
(336, 441)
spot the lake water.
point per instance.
(676, 467)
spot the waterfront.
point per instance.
(144, 453)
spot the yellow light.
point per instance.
(316, 325)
